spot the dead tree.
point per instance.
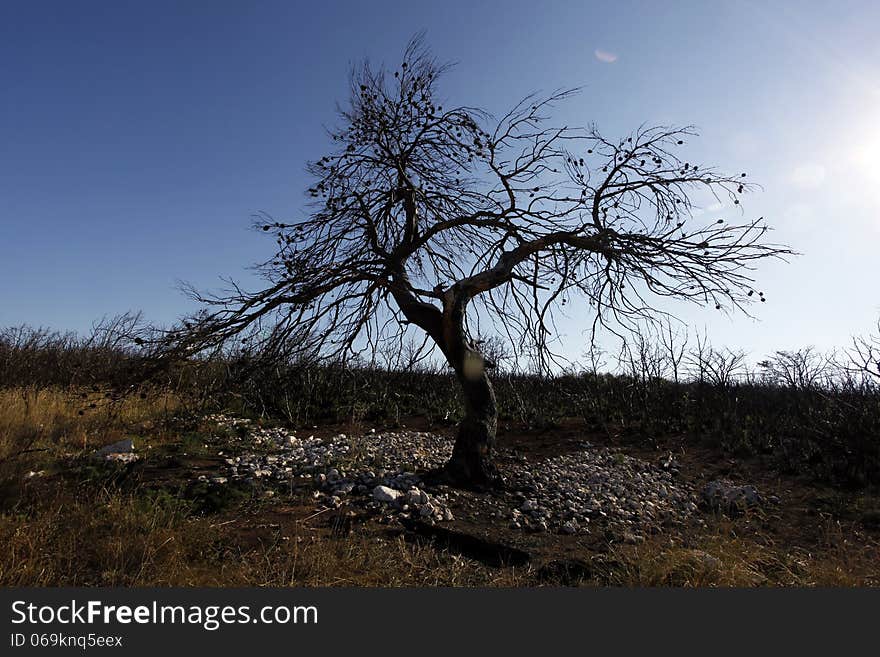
(803, 369)
(445, 219)
(864, 356)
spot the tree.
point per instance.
(804, 368)
(864, 355)
(446, 220)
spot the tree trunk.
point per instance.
(471, 463)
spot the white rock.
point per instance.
(386, 494)
(122, 458)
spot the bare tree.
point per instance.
(716, 367)
(804, 368)
(447, 220)
(864, 355)
(642, 358)
(674, 345)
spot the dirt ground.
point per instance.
(814, 535)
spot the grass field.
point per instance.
(66, 519)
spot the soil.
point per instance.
(799, 522)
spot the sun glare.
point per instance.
(863, 162)
(866, 157)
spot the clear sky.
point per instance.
(137, 138)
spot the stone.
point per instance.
(414, 496)
(386, 494)
(529, 506)
(725, 496)
(705, 559)
(117, 449)
(377, 471)
(122, 458)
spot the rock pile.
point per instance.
(568, 494)
(597, 486)
(376, 471)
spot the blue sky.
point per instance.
(137, 138)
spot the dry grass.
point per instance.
(53, 419)
(720, 557)
(113, 539)
(65, 529)
(59, 531)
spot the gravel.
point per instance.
(376, 471)
(596, 486)
(574, 493)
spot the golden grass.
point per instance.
(114, 539)
(57, 530)
(721, 558)
(56, 419)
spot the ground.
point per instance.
(164, 519)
